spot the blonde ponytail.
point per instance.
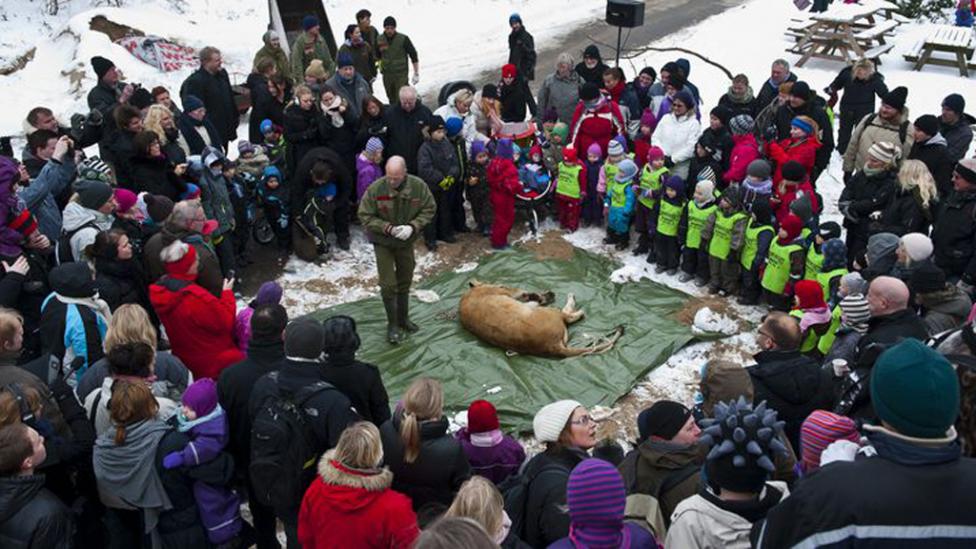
(424, 400)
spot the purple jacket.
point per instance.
(639, 539)
(495, 463)
(242, 328)
(366, 173)
(10, 239)
(219, 505)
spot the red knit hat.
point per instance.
(182, 266)
(482, 417)
(569, 155)
(792, 225)
(509, 71)
(810, 294)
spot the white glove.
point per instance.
(402, 232)
(841, 368)
(875, 216)
(841, 450)
(415, 79)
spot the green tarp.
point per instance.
(471, 370)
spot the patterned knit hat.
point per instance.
(885, 151)
(835, 254)
(24, 223)
(855, 283)
(742, 124)
(596, 498)
(855, 312)
(482, 417)
(375, 144)
(614, 148)
(743, 443)
(821, 429)
(244, 147)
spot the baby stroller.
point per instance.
(537, 186)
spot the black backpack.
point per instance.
(62, 248)
(515, 491)
(283, 447)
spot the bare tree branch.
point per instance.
(629, 54)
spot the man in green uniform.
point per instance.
(394, 49)
(272, 50)
(394, 212)
(308, 46)
(370, 34)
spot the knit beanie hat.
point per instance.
(304, 338)
(192, 192)
(915, 390)
(126, 199)
(94, 168)
(182, 265)
(654, 153)
(514, 18)
(344, 60)
(192, 103)
(551, 419)
(801, 90)
(509, 71)
(589, 92)
(828, 230)
(810, 294)
(675, 183)
(594, 149)
(927, 278)
(569, 155)
(794, 171)
(101, 66)
(490, 91)
(453, 126)
(966, 169)
(269, 292)
(614, 148)
(896, 98)
(551, 115)
(855, 283)
(389, 21)
(647, 118)
(955, 103)
(504, 148)
(266, 126)
(835, 254)
(201, 396)
(477, 147)
(93, 194)
(158, 207)
(482, 417)
(855, 312)
(596, 498)
(804, 123)
(562, 130)
(928, 124)
(792, 225)
(310, 22)
(759, 169)
(821, 429)
(435, 123)
(664, 419)
(244, 147)
(881, 245)
(24, 223)
(802, 208)
(885, 151)
(743, 444)
(627, 170)
(375, 144)
(742, 124)
(722, 113)
(917, 246)
(685, 96)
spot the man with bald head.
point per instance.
(791, 383)
(394, 211)
(892, 321)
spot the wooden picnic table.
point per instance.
(845, 33)
(958, 41)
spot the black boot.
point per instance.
(403, 313)
(393, 335)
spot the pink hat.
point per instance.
(594, 148)
(126, 199)
(654, 153)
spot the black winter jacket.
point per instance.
(792, 384)
(120, 282)
(521, 52)
(515, 98)
(32, 517)
(301, 183)
(26, 294)
(768, 92)
(954, 237)
(935, 155)
(858, 94)
(215, 92)
(362, 384)
(188, 127)
(437, 473)
(405, 133)
(301, 133)
(156, 176)
(546, 514)
(905, 214)
(865, 195)
(887, 330)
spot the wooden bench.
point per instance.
(958, 41)
(877, 32)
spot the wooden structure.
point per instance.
(286, 20)
(845, 33)
(957, 41)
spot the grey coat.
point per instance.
(437, 160)
(945, 310)
(561, 94)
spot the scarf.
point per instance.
(128, 471)
(95, 303)
(911, 451)
(811, 317)
(871, 172)
(488, 439)
(185, 425)
(743, 99)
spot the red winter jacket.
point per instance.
(349, 509)
(503, 184)
(640, 151)
(597, 126)
(200, 326)
(745, 150)
(803, 151)
(788, 194)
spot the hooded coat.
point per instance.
(85, 224)
(815, 108)
(646, 468)
(495, 463)
(944, 310)
(740, 104)
(209, 275)
(31, 516)
(677, 137)
(355, 509)
(874, 129)
(704, 520)
(803, 151)
(597, 125)
(744, 151)
(934, 153)
(73, 320)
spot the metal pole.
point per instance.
(620, 31)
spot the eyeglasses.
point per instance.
(585, 420)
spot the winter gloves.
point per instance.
(173, 460)
(402, 232)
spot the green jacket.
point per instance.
(300, 62)
(394, 52)
(278, 56)
(383, 207)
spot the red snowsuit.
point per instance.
(568, 208)
(803, 151)
(745, 150)
(597, 126)
(503, 184)
(200, 326)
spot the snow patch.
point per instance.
(708, 321)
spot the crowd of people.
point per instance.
(139, 407)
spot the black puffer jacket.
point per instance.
(120, 282)
(863, 196)
(792, 384)
(156, 176)
(887, 330)
(405, 132)
(905, 214)
(437, 473)
(301, 133)
(215, 92)
(362, 384)
(32, 517)
(858, 94)
(954, 236)
(935, 155)
(546, 514)
(515, 98)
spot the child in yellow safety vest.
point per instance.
(725, 231)
(570, 190)
(815, 255)
(616, 153)
(694, 257)
(813, 314)
(671, 216)
(759, 235)
(784, 264)
(619, 204)
(849, 322)
(648, 193)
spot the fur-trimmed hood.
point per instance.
(353, 490)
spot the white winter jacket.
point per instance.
(677, 138)
(698, 523)
(468, 129)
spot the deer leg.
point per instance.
(570, 313)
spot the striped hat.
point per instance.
(596, 498)
(821, 429)
(742, 124)
(855, 312)
(374, 145)
(885, 151)
(94, 168)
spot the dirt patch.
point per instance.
(718, 304)
(470, 247)
(18, 62)
(621, 423)
(330, 287)
(551, 246)
(101, 24)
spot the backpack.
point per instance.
(515, 491)
(902, 130)
(644, 510)
(283, 447)
(62, 248)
